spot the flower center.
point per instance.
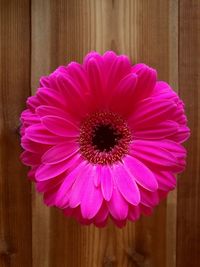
(104, 138)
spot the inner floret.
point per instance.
(104, 138)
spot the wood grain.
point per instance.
(15, 193)
(40, 65)
(157, 44)
(36, 37)
(188, 223)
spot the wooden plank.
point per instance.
(157, 46)
(15, 190)
(188, 230)
(171, 215)
(40, 65)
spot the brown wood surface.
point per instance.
(15, 189)
(36, 37)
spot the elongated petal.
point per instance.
(158, 131)
(109, 58)
(77, 73)
(118, 207)
(106, 183)
(29, 158)
(146, 81)
(29, 117)
(149, 199)
(78, 189)
(92, 199)
(157, 110)
(33, 102)
(64, 193)
(152, 153)
(38, 133)
(50, 97)
(140, 173)
(124, 93)
(73, 94)
(166, 180)
(50, 197)
(182, 135)
(96, 81)
(119, 69)
(126, 184)
(60, 126)
(97, 177)
(44, 81)
(134, 213)
(60, 152)
(102, 215)
(43, 111)
(45, 172)
(46, 185)
(34, 147)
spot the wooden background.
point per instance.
(36, 37)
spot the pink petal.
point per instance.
(78, 189)
(126, 184)
(44, 81)
(140, 173)
(43, 111)
(149, 199)
(92, 198)
(50, 197)
(157, 110)
(50, 97)
(96, 80)
(118, 206)
(46, 185)
(60, 126)
(29, 158)
(77, 73)
(146, 81)
(146, 210)
(134, 213)
(38, 133)
(92, 55)
(97, 177)
(182, 135)
(45, 172)
(158, 131)
(124, 93)
(166, 180)
(34, 147)
(162, 90)
(70, 179)
(109, 58)
(73, 94)
(32, 102)
(177, 149)
(162, 194)
(29, 117)
(106, 182)
(102, 215)
(60, 152)
(120, 68)
(31, 173)
(151, 152)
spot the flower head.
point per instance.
(103, 139)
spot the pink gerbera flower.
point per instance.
(103, 139)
